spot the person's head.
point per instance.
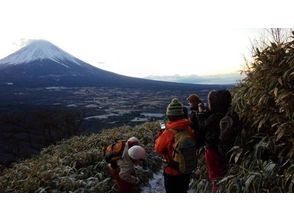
(219, 101)
(226, 98)
(136, 152)
(212, 100)
(174, 110)
(133, 141)
(194, 101)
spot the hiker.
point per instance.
(196, 105)
(176, 144)
(219, 104)
(122, 168)
(194, 101)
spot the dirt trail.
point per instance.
(156, 184)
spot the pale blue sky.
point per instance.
(136, 38)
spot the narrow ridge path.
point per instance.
(155, 185)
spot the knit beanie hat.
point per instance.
(136, 152)
(174, 108)
(133, 141)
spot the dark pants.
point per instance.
(176, 184)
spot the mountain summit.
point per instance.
(39, 50)
(42, 64)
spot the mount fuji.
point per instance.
(39, 50)
(42, 64)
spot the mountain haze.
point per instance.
(229, 78)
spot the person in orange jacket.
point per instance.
(174, 181)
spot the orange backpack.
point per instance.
(113, 152)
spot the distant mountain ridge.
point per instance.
(42, 64)
(230, 78)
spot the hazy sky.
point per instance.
(133, 37)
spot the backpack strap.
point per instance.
(125, 148)
(105, 148)
(170, 160)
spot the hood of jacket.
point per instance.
(179, 124)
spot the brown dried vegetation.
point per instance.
(77, 165)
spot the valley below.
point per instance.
(33, 118)
(101, 107)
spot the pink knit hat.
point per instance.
(136, 152)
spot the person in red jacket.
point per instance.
(174, 181)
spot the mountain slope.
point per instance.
(77, 165)
(42, 64)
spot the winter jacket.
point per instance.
(164, 143)
(209, 128)
(197, 127)
(212, 130)
(127, 169)
(194, 120)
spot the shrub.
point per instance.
(77, 165)
(262, 160)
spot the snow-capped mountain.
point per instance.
(42, 64)
(39, 50)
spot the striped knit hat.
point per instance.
(175, 108)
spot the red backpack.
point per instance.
(113, 152)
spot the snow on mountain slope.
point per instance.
(39, 50)
(42, 64)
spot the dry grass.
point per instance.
(77, 165)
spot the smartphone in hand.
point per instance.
(162, 125)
